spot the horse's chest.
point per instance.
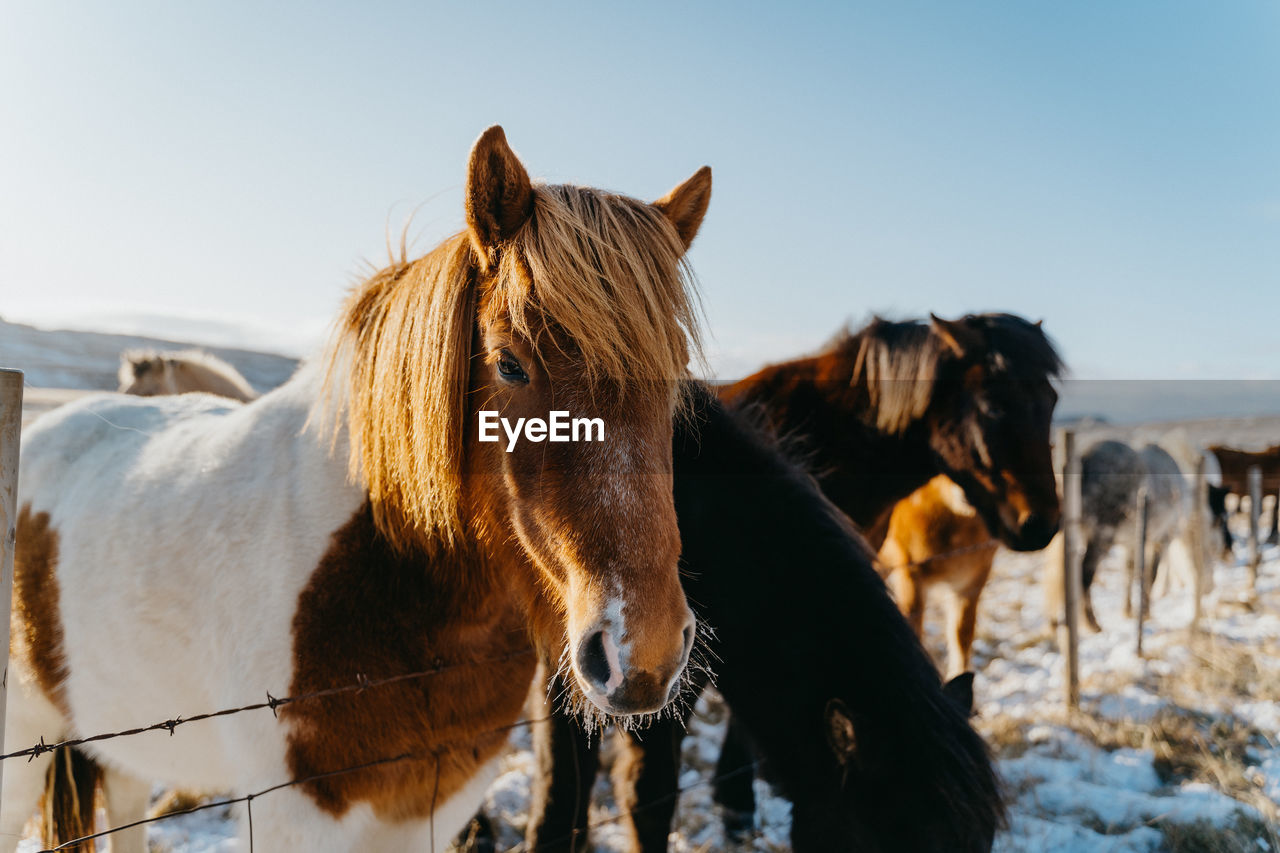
(464, 661)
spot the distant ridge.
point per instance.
(60, 358)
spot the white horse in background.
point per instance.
(151, 373)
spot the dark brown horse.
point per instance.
(847, 715)
(1235, 466)
(877, 415)
(882, 411)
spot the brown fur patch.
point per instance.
(930, 543)
(371, 610)
(37, 621)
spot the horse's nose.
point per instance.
(1036, 530)
(602, 664)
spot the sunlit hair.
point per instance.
(597, 275)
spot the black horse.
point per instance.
(826, 680)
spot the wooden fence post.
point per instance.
(1069, 640)
(1140, 567)
(1255, 515)
(1201, 563)
(10, 435)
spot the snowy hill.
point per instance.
(60, 358)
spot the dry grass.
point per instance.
(1243, 835)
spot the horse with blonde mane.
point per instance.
(349, 528)
(149, 373)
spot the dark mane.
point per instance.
(918, 754)
(897, 363)
(764, 548)
(1018, 348)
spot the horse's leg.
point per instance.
(30, 718)
(289, 819)
(735, 777)
(909, 594)
(127, 798)
(963, 614)
(568, 761)
(1155, 553)
(1130, 566)
(646, 782)
(1088, 568)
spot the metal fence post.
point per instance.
(1140, 567)
(1069, 641)
(1255, 515)
(10, 435)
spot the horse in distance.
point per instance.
(147, 373)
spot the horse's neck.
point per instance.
(863, 468)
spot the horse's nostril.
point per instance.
(689, 633)
(592, 660)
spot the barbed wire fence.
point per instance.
(362, 684)
(359, 686)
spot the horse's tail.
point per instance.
(70, 788)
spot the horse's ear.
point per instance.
(958, 336)
(499, 195)
(840, 733)
(685, 205)
(959, 691)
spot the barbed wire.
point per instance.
(421, 755)
(431, 754)
(361, 684)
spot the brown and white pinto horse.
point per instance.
(385, 540)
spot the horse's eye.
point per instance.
(510, 368)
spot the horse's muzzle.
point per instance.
(601, 665)
(1034, 533)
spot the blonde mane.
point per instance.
(604, 271)
(897, 363)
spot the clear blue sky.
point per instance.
(1110, 167)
